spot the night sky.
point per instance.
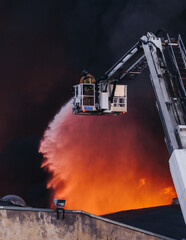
(44, 45)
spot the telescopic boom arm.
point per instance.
(166, 60)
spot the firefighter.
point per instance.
(87, 77)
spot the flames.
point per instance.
(105, 164)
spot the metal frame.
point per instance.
(169, 96)
(175, 62)
(182, 49)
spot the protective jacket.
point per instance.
(87, 79)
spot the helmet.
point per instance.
(84, 73)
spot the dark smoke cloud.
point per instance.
(43, 47)
(21, 173)
(139, 17)
(106, 30)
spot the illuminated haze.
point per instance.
(44, 47)
(104, 164)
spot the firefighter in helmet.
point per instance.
(87, 77)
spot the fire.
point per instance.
(104, 164)
(142, 182)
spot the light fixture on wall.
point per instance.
(60, 203)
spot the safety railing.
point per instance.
(182, 49)
(119, 102)
(175, 62)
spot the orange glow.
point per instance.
(142, 182)
(105, 164)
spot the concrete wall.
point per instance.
(36, 224)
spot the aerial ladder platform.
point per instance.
(166, 59)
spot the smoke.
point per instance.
(114, 26)
(137, 18)
(44, 46)
(20, 166)
(107, 164)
